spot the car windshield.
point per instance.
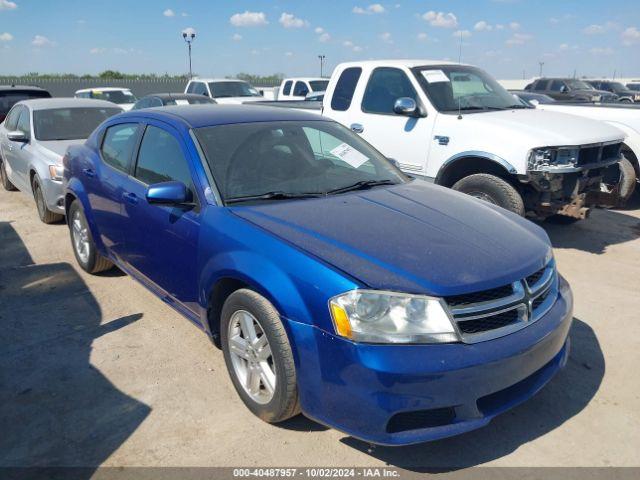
(634, 86)
(617, 87)
(115, 96)
(193, 100)
(318, 85)
(9, 98)
(232, 89)
(288, 159)
(579, 85)
(455, 87)
(69, 123)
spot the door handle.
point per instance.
(88, 172)
(132, 198)
(356, 127)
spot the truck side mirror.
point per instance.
(18, 136)
(405, 106)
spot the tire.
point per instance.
(620, 180)
(492, 189)
(46, 215)
(4, 179)
(271, 405)
(90, 260)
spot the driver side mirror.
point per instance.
(168, 193)
(18, 136)
(564, 89)
(406, 106)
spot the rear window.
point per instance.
(9, 98)
(69, 123)
(318, 85)
(343, 93)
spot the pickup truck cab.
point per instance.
(224, 90)
(120, 96)
(456, 126)
(299, 88)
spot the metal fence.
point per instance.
(66, 87)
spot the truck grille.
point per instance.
(599, 153)
(493, 313)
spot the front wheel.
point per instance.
(492, 189)
(83, 245)
(258, 356)
(46, 215)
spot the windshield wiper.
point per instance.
(362, 185)
(518, 106)
(271, 196)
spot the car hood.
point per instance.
(58, 148)
(541, 128)
(238, 100)
(415, 237)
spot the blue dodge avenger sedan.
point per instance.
(383, 306)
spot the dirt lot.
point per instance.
(96, 370)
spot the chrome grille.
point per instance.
(493, 313)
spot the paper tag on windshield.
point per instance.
(434, 76)
(349, 155)
(182, 102)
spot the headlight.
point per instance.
(388, 317)
(56, 172)
(540, 158)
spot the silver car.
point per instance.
(33, 139)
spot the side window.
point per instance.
(190, 87)
(343, 93)
(142, 103)
(301, 89)
(556, 86)
(24, 122)
(12, 119)
(385, 86)
(155, 102)
(118, 145)
(200, 88)
(541, 85)
(161, 159)
(287, 87)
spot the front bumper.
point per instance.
(403, 394)
(53, 195)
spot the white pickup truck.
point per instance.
(298, 88)
(224, 90)
(455, 125)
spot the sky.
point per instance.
(508, 38)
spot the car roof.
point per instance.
(176, 96)
(22, 87)
(48, 103)
(103, 89)
(208, 115)
(400, 63)
(305, 79)
(207, 80)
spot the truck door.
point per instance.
(400, 137)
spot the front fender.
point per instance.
(451, 161)
(75, 188)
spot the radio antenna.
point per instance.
(459, 62)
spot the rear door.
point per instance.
(300, 90)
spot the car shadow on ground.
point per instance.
(57, 409)
(602, 229)
(564, 397)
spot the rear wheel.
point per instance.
(4, 179)
(491, 189)
(84, 248)
(258, 356)
(46, 215)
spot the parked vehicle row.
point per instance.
(120, 96)
(624, 94)
(224, 90)
(570, 90)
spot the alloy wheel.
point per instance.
(80, 237)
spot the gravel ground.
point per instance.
(95, 370)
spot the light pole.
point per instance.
(189, 35)
(321, 57)
(541, 64)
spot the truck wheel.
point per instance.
(492, 189)
(4, 179)
(258, 356)
(83, 245)
(46, 215)
(620, 181)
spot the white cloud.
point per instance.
(386, 37)
(630, 36)
(169, 13)
(357, 48)
(7, 5)
(96, 50)
(514, 26)
(596, 29)
(441, 19)
(184, 14)
(352, 46)
(519, 39)
(422, 36)
(248, 19)
(319, 30)
(499, 26)
(288, 20)
(324, 38)
(236, 37)
(482, 26)
(288, 54)
(461, 34)
(601, 51)
(255, 52)
(371, 9)
(6, 37)
(554, 20)
(41, 41)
